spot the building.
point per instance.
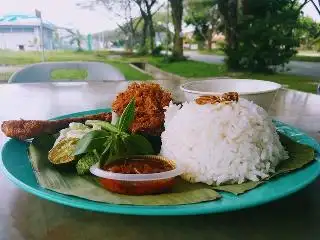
(22, 32)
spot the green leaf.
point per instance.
(85, 162)
(44, 141)
(106, 152)
(92, 140)
(104, 125)
(238, 188)
(138, 144)
(127, 117)
(299, 154)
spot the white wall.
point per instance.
(12, 40)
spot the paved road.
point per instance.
(9, 69)
(295, 67)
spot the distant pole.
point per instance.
(42, 39)
(89, 41)
(102, 34)
(38, 15)
(168, 33)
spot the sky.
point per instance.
(65, 13)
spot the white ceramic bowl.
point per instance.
(260, 92)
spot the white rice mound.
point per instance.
(222, 143)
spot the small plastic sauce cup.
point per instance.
(139, 184)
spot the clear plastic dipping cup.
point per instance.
(139, 184)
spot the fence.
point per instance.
(4, 76)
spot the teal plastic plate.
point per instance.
(16, 166)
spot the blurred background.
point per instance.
(277, 40)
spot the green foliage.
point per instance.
(316, 44)
(113, 141)
(143, 50)
(76, 37)
(308, 31)
(204, 16)
(266, 35)
(192, 69)
(157, 50)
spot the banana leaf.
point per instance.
(88, 186)
(299, 156)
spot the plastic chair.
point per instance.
(41, 72)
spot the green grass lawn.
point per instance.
(215, 51)
(129, 72)
(23, 58)
(306, 58)
(298, 57)
(188, 69)
(79, 74)
(192, 69)
(300, 83)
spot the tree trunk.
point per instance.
(79, 44)
(145, 27)
(152, 33)
(229, 10)
(209, 42)
(144, 34)
(232, 18)
(176, 12)
(152, 36)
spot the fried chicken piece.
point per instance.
(150, 101)
(26, 129)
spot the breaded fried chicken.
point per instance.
(150, 101)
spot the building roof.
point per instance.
(23, 20)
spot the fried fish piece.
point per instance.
(26, 129)
(150, 100)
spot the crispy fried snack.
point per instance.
(150, 101)
(226, 98)
(26, 129)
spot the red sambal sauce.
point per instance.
(138, 166)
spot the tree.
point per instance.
(176, 14)
(76, 37)
(129, 28)
(146, 11)
(204, 16)
(260, 34)
(309, 30)
(229, 10)
(124, 11)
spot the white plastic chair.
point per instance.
(41, 72)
